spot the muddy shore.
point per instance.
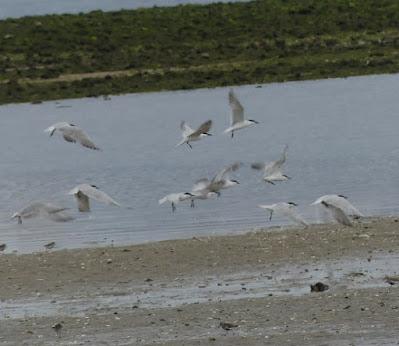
(182, 292)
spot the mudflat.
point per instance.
(249, 289)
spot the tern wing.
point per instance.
(99, 196)
(222, 174)
(258, 165)
(84, 139)
(237, 110)
(201, 185)
(338, 214)
(186, 129)
(204, 128)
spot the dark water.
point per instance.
(342, 133)
(21, 8)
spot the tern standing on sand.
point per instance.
(190, 135)
(84, 192)
(72, 134)
(237, 115)
(341, 202)
(286, 209)
(338, 214)
(273, 171)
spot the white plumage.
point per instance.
(238, 121)
(286, 209)
(84, 192)
(273, 171)
(41, 209)
(72, 134)
(190, 135)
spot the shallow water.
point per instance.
(342, 135)
(287, 280)
(21, 8)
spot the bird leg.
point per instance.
(271, 214)
(270, 182)
(192, 204)
(232, 134)
(173, 207)
(19, 220)
(189, 145)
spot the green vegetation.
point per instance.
(60, 56)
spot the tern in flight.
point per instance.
(72, 134)
(190, 135)
(84, 192)
(219, 181)
(237, 115)
(175, 198)
(46, 210)
(273, 171)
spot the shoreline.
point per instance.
(179, 291)
(185, 47)
(183, 291)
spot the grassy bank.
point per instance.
(62, 56)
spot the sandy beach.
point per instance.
(251, 289)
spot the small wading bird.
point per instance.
(273, 170)
(286, 209)
(175, 198)
(72, 134)
(190, 135)
(341, 202)
(237, 115)
(84, 192)
(219, 182)
(46, 210)
(338, 214)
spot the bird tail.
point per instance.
(264, 206)
(181, 143)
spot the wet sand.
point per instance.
(181, 292)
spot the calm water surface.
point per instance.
(342, 133)
(20, 8)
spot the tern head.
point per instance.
(207, 134)
(235, 182)
(189, 194)
(72, 125)
(94, 186)
(292, 203)
(253, 121)
(343, 196)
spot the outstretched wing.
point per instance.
(258, 165)
(187, 130)
(204, 128)
(84, 139)
(97, 194)
(231, 168)
(201, 185)
(237, 110)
